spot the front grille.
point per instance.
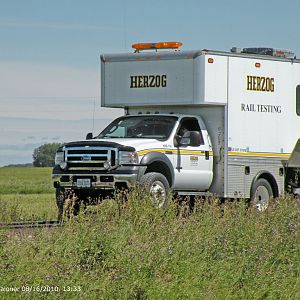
(90, 157)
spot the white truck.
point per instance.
(195, 122)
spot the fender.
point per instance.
(152, 157)
(270, 178)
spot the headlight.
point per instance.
(59, 157)
(126, 157)
(59, 160)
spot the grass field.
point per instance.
(26, 194)
(133, 251)
(25, 181)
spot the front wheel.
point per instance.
(158, 186)
(67, 204)
(60, 202)
(261, 192)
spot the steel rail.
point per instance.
(31, 224)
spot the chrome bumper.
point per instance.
(98, 181)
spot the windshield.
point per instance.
(151, 127)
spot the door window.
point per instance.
(186, 126)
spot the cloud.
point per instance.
(56, 138)
(29, 80)
(19, 158)
(57, 26)
(45, 103)
(30, 138)
(20, 136)
(49, 91)
(24, 147)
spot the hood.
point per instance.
(138, 144)
(122, 144)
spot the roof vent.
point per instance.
(265, 51)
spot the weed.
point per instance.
(130, 250)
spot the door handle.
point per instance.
(207, 155)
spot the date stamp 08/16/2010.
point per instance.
(40, 289)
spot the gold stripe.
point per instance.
(231, 153)
(260, 154)
(172, 151)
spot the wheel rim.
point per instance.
(261, 198)
(158, 193)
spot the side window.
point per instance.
(187, 125)
(298, 100)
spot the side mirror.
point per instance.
(89, 136)
(195, 138)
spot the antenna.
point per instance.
(94, 115)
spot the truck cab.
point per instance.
(159, 151)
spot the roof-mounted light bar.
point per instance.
(155, 46)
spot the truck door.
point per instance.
(192, 164)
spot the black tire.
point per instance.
(158, 186)
(67, 204)
(60, 202)
(261, 192)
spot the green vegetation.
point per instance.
(26, 194)
(27, 207)
(25, 181)
(118, 250)
(44, 155)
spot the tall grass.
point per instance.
(130, 250)
(26, 194)
(27, 207)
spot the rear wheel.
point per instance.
(158, 187)
(261, 192)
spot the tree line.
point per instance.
(44, 155)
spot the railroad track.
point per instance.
(31, 224)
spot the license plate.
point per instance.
(84, 183)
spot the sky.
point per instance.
(50, 55)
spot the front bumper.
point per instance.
(125, 176)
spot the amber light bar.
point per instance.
(159, 45)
